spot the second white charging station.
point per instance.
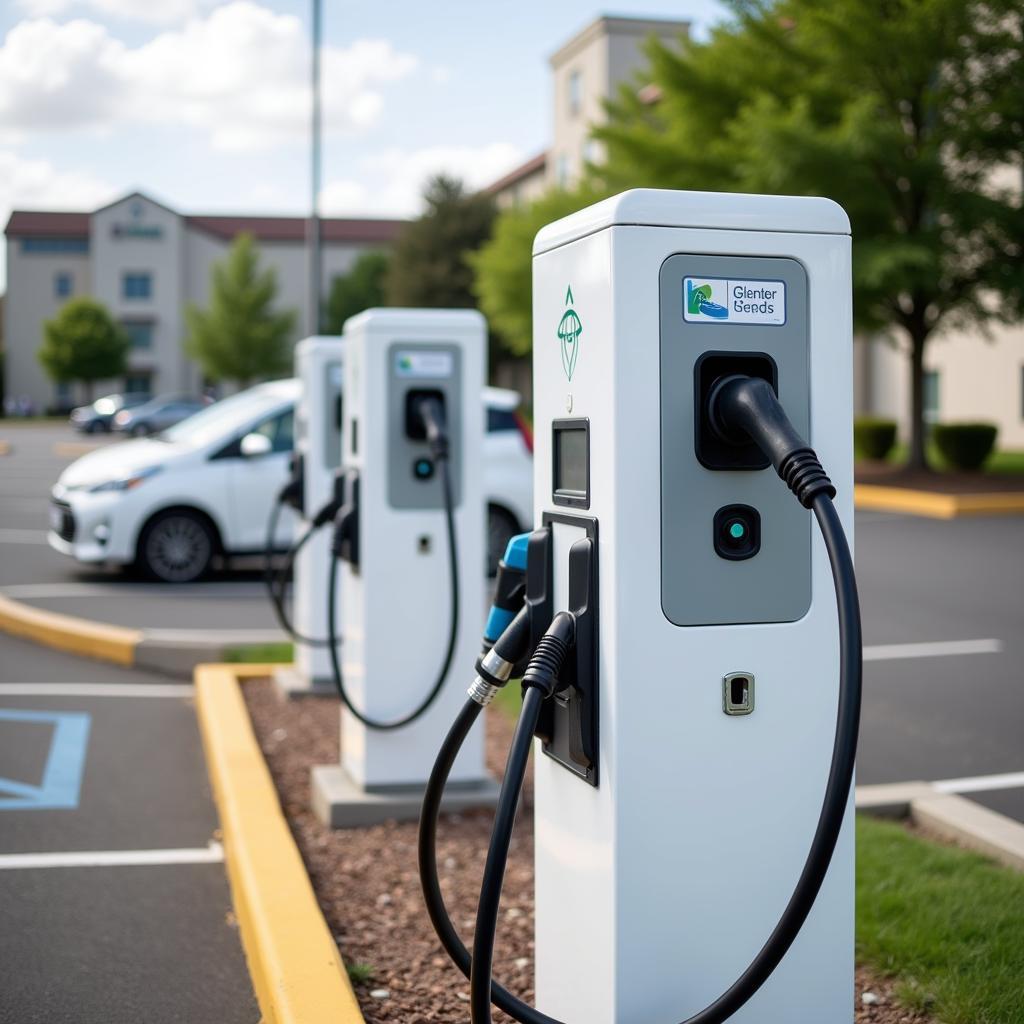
(319, 366)
(394, 603)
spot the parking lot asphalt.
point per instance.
(116, 901)
(929, 714)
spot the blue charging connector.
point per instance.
(509, 588)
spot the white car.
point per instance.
(169, 504)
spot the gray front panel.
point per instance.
(698, 587)
(422, 366)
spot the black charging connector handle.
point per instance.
(430, 409)
(741, 407)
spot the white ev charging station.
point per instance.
(318, 416)
(695, 705)
(410, 536)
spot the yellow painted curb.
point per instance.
(5, 448)
(294, 963)
(935, 505)
(69, 633)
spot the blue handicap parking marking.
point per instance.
(62, 776)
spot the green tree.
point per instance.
(910, 113)
(503, 267)
(83, 343)
(240, 336)
(429, 266)
(361, 288)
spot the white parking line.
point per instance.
(937, 649)
(980, 783)
(212, 854)
(96, 690)
(119, 588)
(12, 536)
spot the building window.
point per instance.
(54, 245)
(931, 396)
(63, 285)
(562, 170)
(140, 333)
(137, 285)
(575, 93)
(138, 383)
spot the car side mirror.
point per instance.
(255, 446)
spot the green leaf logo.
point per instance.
(569, 330)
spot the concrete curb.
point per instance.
(68, 633)
(934, 505)
(296, 970)
(172, 652)
(949, 816)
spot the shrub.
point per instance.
(873, 437)
(965, 445)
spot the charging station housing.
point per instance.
(318, 415)
(662, 869)
(393, 614)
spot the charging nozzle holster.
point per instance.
(294, 491)
(345, 543)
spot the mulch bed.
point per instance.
(884, 475)
(368, 885)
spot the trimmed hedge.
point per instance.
(873, 437)
(965, 445)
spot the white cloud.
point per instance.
(31, 183)
(391, 183)
(239, 74)
(158, 12)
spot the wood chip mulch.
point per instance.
(946, 482)
(368, 885)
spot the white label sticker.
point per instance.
(423, 363)
(719, 300)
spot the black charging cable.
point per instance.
(277, 583)
(741, 408)
(432, 412)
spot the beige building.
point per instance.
(146, 262)
(585, 72)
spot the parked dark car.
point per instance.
(158, 414)
(99, 417)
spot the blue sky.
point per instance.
(204, 104)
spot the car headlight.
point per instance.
(125, 483)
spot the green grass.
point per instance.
(360, 974)
(1003, 463)
(258, 653)
(509, 699)
(946, 924)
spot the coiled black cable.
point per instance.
(277, 583)
(332, 627)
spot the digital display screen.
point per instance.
(571, 462)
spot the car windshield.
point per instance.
(224, 418)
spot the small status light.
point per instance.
(736, 531)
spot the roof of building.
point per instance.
(53, 224)
(535, 165)
(47, 224)
(613, 24)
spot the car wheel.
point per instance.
(141, 430)
(176, 547)
(93, 428)
(501, 528)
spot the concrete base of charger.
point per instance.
(340, 803)
(292, 684)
